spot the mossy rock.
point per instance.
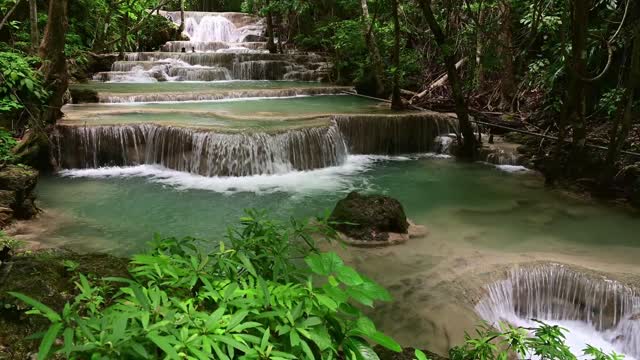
(406, 354)
(369, 217)
(18, 178)
(43, 276)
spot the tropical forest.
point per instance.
(320, 179)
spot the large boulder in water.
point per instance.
(369, 217)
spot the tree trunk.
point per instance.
(579, 23)
(372, 45)
(624, 119)
(33, 19)
(54, 65)
(181, 28)
(479, 67)
(396, 100)
(508, 85)
(271, 45)
(125, 34)
(468, 148)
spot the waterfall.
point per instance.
(260, 70)
(219, 94)
(212, 46)
(205, 73)
(553, 292)
(394, 134)
(200, 151)
(211, 28)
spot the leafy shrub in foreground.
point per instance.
(247, 301)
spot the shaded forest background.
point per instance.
(565, 69)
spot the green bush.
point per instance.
(7, 144)
(20, 85)
(249, 298)
(244, 301)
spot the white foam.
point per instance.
(512, 168)
(328, 179)
(578, 335)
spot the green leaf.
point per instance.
(420, 355)
(163, 342)
(247, 264)
(48, 340)
(44, 309)
(385, 341)
(348, 276)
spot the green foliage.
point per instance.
(7, 144)
(8, 241)
(545, 342)
(20, 85)
(232, 302)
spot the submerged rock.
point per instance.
(17, 184)
(373, 220)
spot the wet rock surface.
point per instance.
(369, 217)
(17, 184)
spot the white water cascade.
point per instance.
(220, 46)
(212, 28)
(595, 310)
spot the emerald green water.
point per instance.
(295, 106)
(159, 87)
(123, 207)
(479, 220)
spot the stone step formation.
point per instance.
(202, 106)
(221, 46)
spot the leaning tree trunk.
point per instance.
(624, 119)
(54, 65)
(372, 45)
(468, 149)
(33, 19)
(396, 100)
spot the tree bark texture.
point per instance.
(396, 100)
(54, 65)
(468, 149)
(271, 45)
(508, 85)
(374, 51)
(33, 19)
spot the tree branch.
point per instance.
(140, 23)
(6, 17)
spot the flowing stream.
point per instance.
(180, 141)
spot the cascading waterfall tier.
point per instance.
(236, 63)
(555, 292)
(394, 134)
(219, 94)
(211, 153)
(199, 151)
(221, 46)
